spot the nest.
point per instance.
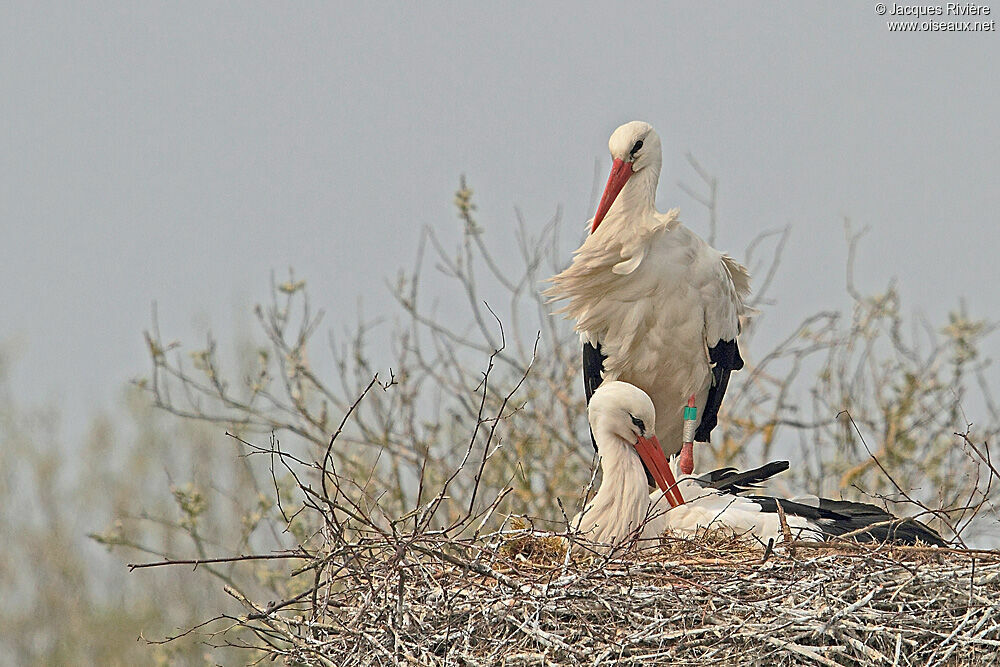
(518, 597)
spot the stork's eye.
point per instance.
(638, 422)
(635, 149)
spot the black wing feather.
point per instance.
(833, 517)
(728, 480)
(593, 366)
(839, 517)
(861, 515)
(725, 357)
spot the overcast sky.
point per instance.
(180, 152)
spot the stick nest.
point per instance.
(518, 597)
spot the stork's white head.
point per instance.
(638, 143)
(622, 410)
(622, 416)
(634, 147)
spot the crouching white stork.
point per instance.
(656, 306)
(622, 508)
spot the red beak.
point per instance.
(652, 455)
(620, 173)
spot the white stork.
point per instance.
(623, 509)
(655, 305)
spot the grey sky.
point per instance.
(181, 151)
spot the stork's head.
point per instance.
(622, 414)
(634, 146)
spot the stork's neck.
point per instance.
(623, 484)
(637, 199)
(622, 503)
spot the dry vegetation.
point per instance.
(377, 516)
(395, 542)
(457, 581)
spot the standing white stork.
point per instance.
(623, 509)
(656, 306)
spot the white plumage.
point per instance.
(622, 504)
(653, 294)
(709, 509)
(623, 509)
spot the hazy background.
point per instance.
(181, 152)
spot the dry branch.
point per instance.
(395, 516)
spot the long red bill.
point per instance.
(620, 173)
(652, 455)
